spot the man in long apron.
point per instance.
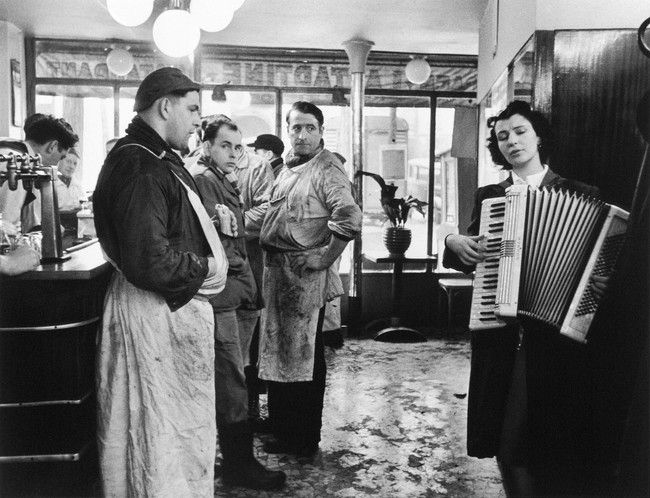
(312, 215)
(155, 361)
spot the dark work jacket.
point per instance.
(554, 368)
(277, 164)
(144, 220)
(241, 289)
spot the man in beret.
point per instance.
(155, 360)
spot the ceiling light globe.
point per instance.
(176, 33)
(211, 15)
(130, 12)
(119, 61)
(417, 71)
(238, 101)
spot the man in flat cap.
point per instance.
(270, 148)
(155, 361)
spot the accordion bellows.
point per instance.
(543, 247)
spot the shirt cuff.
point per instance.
(342, 237)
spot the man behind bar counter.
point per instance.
(155, 362)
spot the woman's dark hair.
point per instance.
(213, 126)
(307, 108)
(539, 123)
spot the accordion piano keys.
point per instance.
(482, 315)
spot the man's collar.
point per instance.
(30, 149)
(212, 166)
(64, 180)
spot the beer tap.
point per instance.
(28, 172)
(33, 174)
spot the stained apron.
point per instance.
(155, 391)
(288, 340)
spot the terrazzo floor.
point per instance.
(393, 426)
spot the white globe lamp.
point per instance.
(176, 33)
(130, 12)
(417, 70)
(211, 15)
(119, 61)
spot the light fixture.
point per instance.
(238, 100)
(176, 32)
(417, 70)
(211, 15)
(130, 12)
(119, 61)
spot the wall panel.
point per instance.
(599, 78)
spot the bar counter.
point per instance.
(86, 262)
(48, 327)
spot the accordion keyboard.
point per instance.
(484, 296)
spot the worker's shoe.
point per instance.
(306, 453)
(261, 425)
(275, 445)
(255, 387)
(252, 475)
(239, 466)
(333, 338)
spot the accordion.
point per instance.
(543, 247)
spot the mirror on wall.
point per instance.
(494, 101)
(515, 83)
(523, 72)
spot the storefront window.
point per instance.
(74, 81)
(253, 111)
(320, 69)
(256, 87)
(89, 110)
(397, 136)
(125, 109)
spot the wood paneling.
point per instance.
(599, 77)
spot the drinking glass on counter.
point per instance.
(32, 239)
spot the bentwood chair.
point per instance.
(451, 282)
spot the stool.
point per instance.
(452, 287)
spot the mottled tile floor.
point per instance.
(393, 426)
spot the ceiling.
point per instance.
(409, 26)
